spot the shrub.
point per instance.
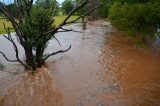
(2, 66)
(140, 19)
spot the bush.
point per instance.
(2, 66)
(67, 6)
(140, 19)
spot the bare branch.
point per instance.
(57, 40)
(7, 58)
(12, 20)
(68, 30)
(9, 38)
(54, 53)
(87, 12)
(16, 50)
(66, 19)
(75, 10)
(72, 12)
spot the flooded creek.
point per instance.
(102, 68)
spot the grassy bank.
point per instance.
(58, 20)
(7, 23)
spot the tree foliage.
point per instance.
(103, 11)
(134, 17)
(48, 4)
(67, 6)
(12, 8)
(38, 20)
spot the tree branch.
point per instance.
(73, 11)
(54, 53)
(9, 38)
(7, 57)
(12, 20)
(57, 40)
(68, 30)
(66, 19)
(87, 12)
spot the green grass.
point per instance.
(7, 24)
(58, 20)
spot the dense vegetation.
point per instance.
(67, 6)
(134, 17)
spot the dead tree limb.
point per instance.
(57, 40)
(67, 30)
(70, 22)
(7, 57)
(64, 22)
(54, 53)
(13, 21)
(9, 38)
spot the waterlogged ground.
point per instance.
(101, 69)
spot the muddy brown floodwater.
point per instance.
(102, 68)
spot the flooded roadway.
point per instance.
(101, 69)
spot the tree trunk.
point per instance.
(39, 56)
(30, 58)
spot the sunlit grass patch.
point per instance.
(57, 21)
(7, 24)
